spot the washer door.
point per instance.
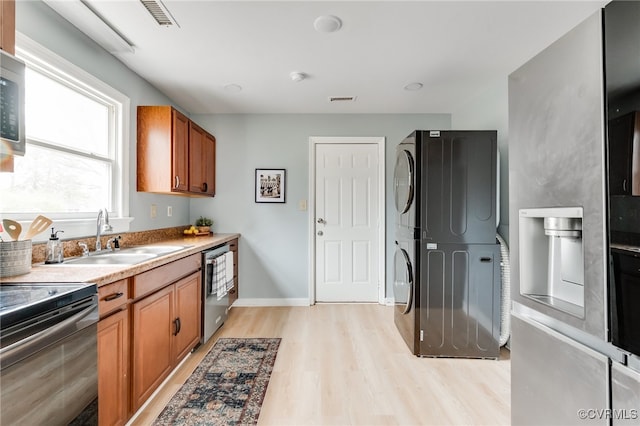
(403, 281)
(403, 181)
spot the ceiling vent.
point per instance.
(342, 99)
(160, 13)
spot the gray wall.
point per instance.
(40, 23)
(274, 246)
(489, 110)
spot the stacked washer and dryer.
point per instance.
(447, 263)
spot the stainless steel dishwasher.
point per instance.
(215, 299)
(48, 354)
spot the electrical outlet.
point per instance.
(154, 211)
(302, 205)
(169, 211)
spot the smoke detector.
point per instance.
(297, 76)
(327, 24)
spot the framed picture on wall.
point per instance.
(270, 185)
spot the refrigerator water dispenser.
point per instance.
(552, 258)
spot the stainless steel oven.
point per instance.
(48, 354)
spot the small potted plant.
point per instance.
(204, 224)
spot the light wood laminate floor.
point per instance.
(347, 365)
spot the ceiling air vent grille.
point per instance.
(342, 99)
(160, 13)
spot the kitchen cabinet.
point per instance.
(166, 323)
(624, 154)
(8, 26)
(202, 154)
(175, 155)
(233, 293)
(113, 354)
(8, 44)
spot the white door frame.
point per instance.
(380, 142)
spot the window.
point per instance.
(75, 162)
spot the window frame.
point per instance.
(83, 224)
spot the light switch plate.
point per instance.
(302, 205)
(154, 211)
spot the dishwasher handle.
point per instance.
(86, 316)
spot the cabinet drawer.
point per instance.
(155, 279)
(112, 296)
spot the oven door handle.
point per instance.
(22, 349)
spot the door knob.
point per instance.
(320, 233)
(321, 220)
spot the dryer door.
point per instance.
(403, 187)
(403, 281)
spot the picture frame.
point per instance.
(270, 185)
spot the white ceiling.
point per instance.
(455, 49)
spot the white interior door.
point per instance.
(347, 222)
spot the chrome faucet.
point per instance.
(103, 215)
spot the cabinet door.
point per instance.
(8, 26)
(113, 369)
(187, 322)
(202, 148)
(209, 164)
(624, 157)
(196, 160)
(152, 335)
(180, 150)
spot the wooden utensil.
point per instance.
(13, 228)
(39, 224)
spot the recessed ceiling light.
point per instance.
(413, 86)
(232, 88)
(297, 76)
(327, 24)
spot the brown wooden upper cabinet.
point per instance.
(8, 26)
(175, 155)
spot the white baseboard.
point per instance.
(247, 302)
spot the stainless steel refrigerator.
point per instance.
(564, 367)
(447, 261)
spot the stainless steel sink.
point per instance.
(111, 259)
(159, 250)
(128, 256)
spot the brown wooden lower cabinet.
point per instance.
(166, 326)
(113, 369)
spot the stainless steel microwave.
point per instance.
(12, 135)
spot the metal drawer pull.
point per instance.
(177, 326)
(113, 296)
(485, 259)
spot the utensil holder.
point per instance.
(15, 258)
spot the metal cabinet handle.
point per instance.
(177, 182)
(177, 326)
(113, 296)
(204, 187)
(624, 185)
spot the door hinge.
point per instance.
(422, 335)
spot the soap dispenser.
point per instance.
(54, 253)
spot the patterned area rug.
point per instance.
(228, 386)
